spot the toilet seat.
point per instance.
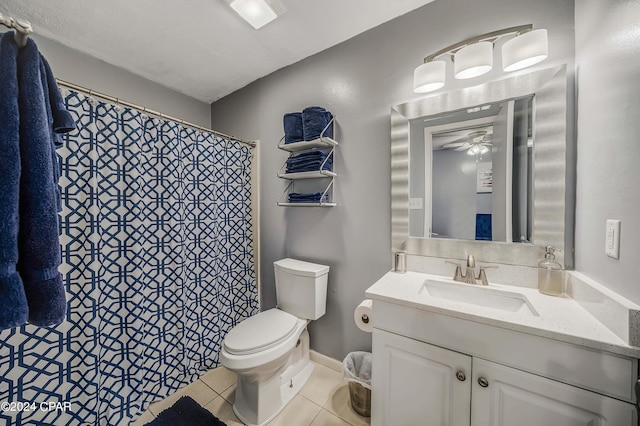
(260, 332)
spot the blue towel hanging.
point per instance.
(31, 171)
(13, 309)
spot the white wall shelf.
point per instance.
(322, 143)
(307, 204)
(291, 187)
(308, 175)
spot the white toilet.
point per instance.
(269, 352)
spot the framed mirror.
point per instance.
(482, 171)
(457, 158)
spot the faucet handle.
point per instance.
(457, 275)
(482, 275)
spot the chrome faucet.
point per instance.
(470, 274)
(469, 277)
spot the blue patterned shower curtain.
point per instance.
(158, 256)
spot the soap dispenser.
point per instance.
(550, 273)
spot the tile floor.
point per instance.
(323, 401)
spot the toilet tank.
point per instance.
(301, 288)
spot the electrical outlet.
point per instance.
(612, 241)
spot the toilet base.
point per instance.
(263, 401)
(288, 391)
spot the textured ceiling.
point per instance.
(201, 47)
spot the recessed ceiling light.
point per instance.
(258, 13)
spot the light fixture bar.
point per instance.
(492, 36)
(473, 57)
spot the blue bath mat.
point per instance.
(186, 412)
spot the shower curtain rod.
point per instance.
(23, 28)
(145, 110)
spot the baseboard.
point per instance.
(318, 358)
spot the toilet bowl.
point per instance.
(269, 352)
(269, 374)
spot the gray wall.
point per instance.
(358, 81)
(87, 71)
(608, 75)
(455, 197)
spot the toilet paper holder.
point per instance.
(363, 316)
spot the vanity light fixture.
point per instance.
(257, 13)
(429, 76)
(473, 60)
(525, 50)
(474, 57)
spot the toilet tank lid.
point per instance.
(299, 267)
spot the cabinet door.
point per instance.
(512, 397)
(415, 383)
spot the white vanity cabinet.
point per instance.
(415, 383)
(431, 369)
(506, 396)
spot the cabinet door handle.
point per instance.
(461, 376)
(483, 382)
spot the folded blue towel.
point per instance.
(298, 160)
(308, 161)
(302, 162)
(38, 244)
(294, 162)
(314, 120)
(315, 197)
(13, 309)
(312, 153)
(293, 127)
(311, 166)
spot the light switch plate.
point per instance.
(415, 203)
(612, 240)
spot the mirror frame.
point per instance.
(550, 210)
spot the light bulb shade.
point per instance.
(429, 76)
(525, 50)
(473, 150)
(473, 60)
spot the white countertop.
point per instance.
(559, 318)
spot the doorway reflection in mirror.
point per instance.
(473, 169)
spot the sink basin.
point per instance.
(480, 296)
